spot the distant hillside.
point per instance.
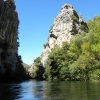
(25, 65)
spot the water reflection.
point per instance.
(66, 90)
(42, 90)
(9, 91)
(73, 91)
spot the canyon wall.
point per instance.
(10, 61)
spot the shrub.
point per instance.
(84, 28)
(74, 18)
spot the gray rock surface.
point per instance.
(65, 26)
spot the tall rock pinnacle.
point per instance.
(65, 26)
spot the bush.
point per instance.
(74, 18)
(84, 28)
(95, 75)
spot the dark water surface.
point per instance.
(43, 90)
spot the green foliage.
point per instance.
(36, 67)
(79, 60)
(35, 71)
(26, 68)
(75, 18)
(57, 64)
(37, 61)
(84, 28)
(95, 75)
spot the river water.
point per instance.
(43, 90)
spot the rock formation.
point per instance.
(10, 64)
(65, 26)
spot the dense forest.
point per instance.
(77, 60)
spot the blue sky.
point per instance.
(36, 18)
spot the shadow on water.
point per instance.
(43, 90)
(9, 91)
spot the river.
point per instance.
(44, 90)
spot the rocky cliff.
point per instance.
(65, 26)
(10, 63)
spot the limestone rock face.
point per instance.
(9, 22)
(65, 26)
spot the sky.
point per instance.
(36, 18)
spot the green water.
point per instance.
(43, 90)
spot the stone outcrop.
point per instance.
(10, 64)
(65, 26)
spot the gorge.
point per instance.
(72, 50)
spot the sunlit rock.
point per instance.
(65, 26)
